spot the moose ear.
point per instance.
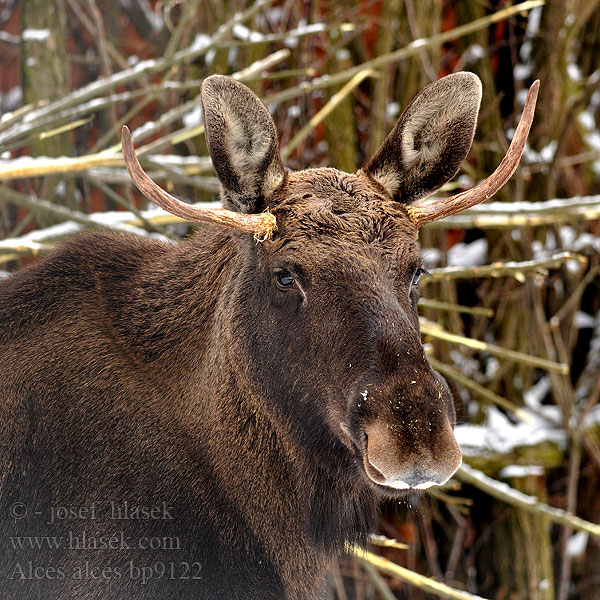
(430, 140)
(242, 142)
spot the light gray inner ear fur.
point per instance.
(242, 141)
(430, 118)
(430, 139)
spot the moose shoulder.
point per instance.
(215, 419)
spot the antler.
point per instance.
(261, 225)
(444, 207)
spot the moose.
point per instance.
(216, 419)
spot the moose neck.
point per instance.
(162, 310)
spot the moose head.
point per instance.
(322, 308)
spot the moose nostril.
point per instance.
(372, 471)
(380, 450)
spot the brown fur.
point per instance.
(183, 376)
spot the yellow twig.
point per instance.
(424, 583)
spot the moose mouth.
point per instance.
(418, 481)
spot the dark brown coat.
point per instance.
(256, 399)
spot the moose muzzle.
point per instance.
(407, 433)
(389, 461)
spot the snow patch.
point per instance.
(291, 41)
(574, 72)
(534, 395)
(241, 32)
(343, 54)
(583, 320)
(417, 43)
(35, 35)
(533, 21)
(521, 471)
(11, 100)
(468, 255)
(522, 72)
(432, 257)
(293, 111)
(545, 155)
(586, 119)
(473, 54)
(200, 42)
(392, 110)
(577, 544)
(499, 435)
(193, 118)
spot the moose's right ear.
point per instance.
(430, 140)
(242, 142)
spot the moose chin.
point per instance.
(264, 379)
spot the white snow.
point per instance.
(241, 32)
(521, 72)
(500, 486)
(343, 54)
(545, 155)
(11, 100)
(499, 435)
(577, 544)
(210, 57)
(293, 111)
(521, 471)
(583, 320)
(291, 41)
(533, 21)
(431, 257)
(193, 118)
(492, 367)
(571, 239)
(273, 14)
(417, 43)
(155, 19)
(116, 218)
(468, 255)
(35, 35)
(525, 52)
(586, 119)
(473, 53)
(574, 72)
(200, 41)
(392, 110)
(140, 131)
(534, 395)
(593, 139)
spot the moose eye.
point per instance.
(284, 280)
(417, 276)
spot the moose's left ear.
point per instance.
(430, 140)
